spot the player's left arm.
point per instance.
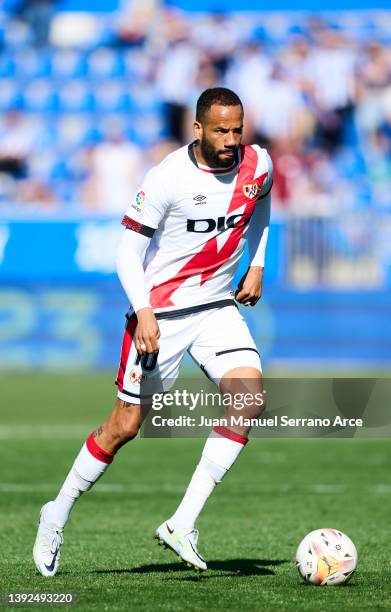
(249, 289)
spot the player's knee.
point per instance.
(129, 425)
(128, 421)
(251, 409)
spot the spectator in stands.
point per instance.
(250, 61)
(330, 70)
(19, 136)
(114, 169)
(302, 86)
(373, 78)
(277, 108)
(17, 139)
(374, 68)
(176, 77)
(207, 77)
(134, 20)
(219, 36)
(296, 57)
(250, 64)
(38, 15)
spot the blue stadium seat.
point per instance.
(68, 64)
(92, 136)
(112, 97)
(71, 130)
(136, 63)
(61, 182)
(75, 96)
(40, 96)
(59, 169)
(31, 64)
(10, 95)
(48, 135)
(147, 129)
(104, 64)
(7, 67)
(17, 35)
(40, 166)
(145, 98)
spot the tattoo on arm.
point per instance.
(98, 431)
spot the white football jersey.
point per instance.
(197, 218)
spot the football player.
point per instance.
(184, 234)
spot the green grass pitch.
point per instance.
(278, 491)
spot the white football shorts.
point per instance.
(217, 339)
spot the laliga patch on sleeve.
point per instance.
(138, 201)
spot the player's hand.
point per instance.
(250, 287)
(147, 331)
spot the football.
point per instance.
(326, 557)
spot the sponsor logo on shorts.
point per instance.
(139, 200)
(250, 190)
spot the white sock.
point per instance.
(219, 454)
(89, 465)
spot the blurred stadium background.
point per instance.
(94, 93)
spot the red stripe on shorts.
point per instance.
(126, 346)
(98, 452)
(231, 435)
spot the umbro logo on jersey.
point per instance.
(199, 199)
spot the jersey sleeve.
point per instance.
(148, 206)
(265, 164)
(258, 233)
(259, 224)
(130, 256)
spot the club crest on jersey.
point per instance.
(250, 190)
(136, 376)
(139, 201)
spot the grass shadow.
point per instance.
(230, 567)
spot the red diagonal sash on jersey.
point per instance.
(210, 259)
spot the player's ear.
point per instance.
(197, 130)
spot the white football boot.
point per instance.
(46, 551)
(183, 542)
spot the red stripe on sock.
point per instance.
(98, 452)
(231, 435)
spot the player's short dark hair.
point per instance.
(215, 95)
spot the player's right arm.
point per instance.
(130, 257)
(141, 220)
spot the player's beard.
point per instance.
(211, 156)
